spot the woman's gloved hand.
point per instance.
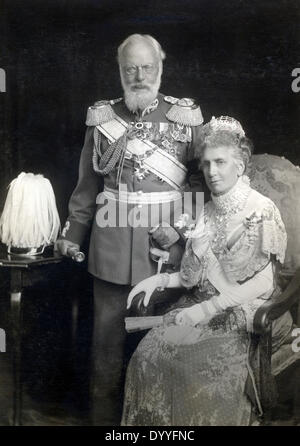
(197, 314)
(148, 286)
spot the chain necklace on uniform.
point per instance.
(163, 135)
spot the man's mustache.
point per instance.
(140, 87)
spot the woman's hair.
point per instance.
(226, 133)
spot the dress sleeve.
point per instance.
(191, 269)
(232, 295)
(194, 261)
(243, 273)
(82, 204)
(262, 235)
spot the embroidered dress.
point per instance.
(186, 376)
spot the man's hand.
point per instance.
(157, 254)
(65, 247)
(164, 235)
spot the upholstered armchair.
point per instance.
(278, 179)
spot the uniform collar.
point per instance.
(158, 114)
(151, 108)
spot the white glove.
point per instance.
(197, 314)
(148, 286)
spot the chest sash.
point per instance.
(160, 163)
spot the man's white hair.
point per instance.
(137, 38)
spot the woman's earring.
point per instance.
(240, 170)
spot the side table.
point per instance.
(21, 267)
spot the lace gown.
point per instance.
(191, 376)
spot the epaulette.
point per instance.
(171, 99)
(101, 112)
(184, 111)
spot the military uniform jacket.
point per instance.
(120, 253)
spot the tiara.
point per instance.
(226, 123)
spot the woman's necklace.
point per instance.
(224, 207)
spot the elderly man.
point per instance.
(132, 173)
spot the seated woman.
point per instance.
(193, 369)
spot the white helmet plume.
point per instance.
(29, 218)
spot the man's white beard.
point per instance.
(139, 100)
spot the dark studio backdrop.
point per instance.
(235, 57)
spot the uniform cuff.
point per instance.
(175, 256)
(74, 232)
